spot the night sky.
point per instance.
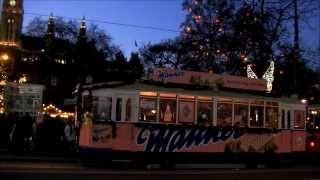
(166, 14)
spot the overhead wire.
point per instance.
(111, 23)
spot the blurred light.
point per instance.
(23, 79)
(2, 82)
(188, 29)
(304, 101)
(312, 144)
(5, 57)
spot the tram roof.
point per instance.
(169, 88)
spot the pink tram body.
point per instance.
(160, 117)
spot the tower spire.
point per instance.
(11, 15)
(50, 29)
(83, 28)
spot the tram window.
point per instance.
(205, 113)
(283, 115)
(128, 110)
(168, 110)
(288, 119)
(241, 115)
(224, 114)
(299, 120)
(186, 111)
(271, 117)
(101, 108)
(118, 109)
(87, 103)
(317, 121)
(256, 116)
(148, 109)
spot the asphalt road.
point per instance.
(57, 171)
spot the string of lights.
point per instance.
(110, 22)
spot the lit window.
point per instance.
(205, 113)
(148, 109)
(272, 117)
(148, 94)
(241, 115)
(224, 114)
(168, 110)
(186, 110)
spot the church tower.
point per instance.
(11, 19)
(83, 29)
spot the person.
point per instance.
(27, 123)
(3, 131)
(70, 135)
(18, 134)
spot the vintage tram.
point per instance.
(185, 115)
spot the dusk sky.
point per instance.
(167, 14)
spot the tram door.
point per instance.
(292, 116)
(286, 116)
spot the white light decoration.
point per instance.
(268, 75)
(250, 73)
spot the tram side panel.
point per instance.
(135, 137)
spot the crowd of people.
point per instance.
(24, 133)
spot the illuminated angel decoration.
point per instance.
(250, 73)
(268, 75)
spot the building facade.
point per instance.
(46, 60)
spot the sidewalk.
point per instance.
(5, 155)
